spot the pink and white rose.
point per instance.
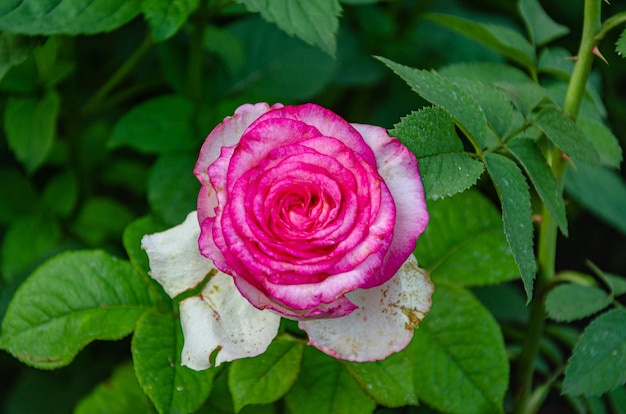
(305, 216)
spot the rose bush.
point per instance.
(305, 216)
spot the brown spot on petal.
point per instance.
(414, 316)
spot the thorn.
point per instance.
(607, 2)
(572, 58)
(537, 218)
(568, 160)
(596, 52)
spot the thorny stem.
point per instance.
(529, 402)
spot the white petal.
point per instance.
(221, 319)
(175, 260)
(384, 322)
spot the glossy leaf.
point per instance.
(444, 167)
(315, 22)
(461, 364)
(534, 164)
(541, 27)
(499, 38)
(565, 134)
(442, 92)
(516, 213)
(601, 191)
(157, 346)
(389, 381)
(69, 301)
(119, 394)
(464, 242)
(267, 377)
(335, 389)
(598, 362)
(30, 126)
(65, 16)
(157, 126)
(165, 17)
(570, 302)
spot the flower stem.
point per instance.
(527, 402)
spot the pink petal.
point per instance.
(225, 134)
(398, 167)
(222, 321)
(175, 261)
(384, 322)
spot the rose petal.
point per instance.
(384, 322)
(224, 321)
(175, 260)
(225, 134)
(398, 167)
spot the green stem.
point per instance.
(527, 402)
(119, 75)
(610, 24)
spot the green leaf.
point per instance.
(133, 234)
(516, 213)
(315, 22)
(277, 66)
(326, 388)
(389, 381)
(565, 134)
(267, 377)
(119, 394)
(534, 164)
(27, 242)
(172, 188)
(69, 301)
(157, 126)
(541, 28)
(570, 302)
(165, 17)
(61, 194)
(620, 45)
(444, 167)
(18, 195)
(157, 346)
(499, 38)
(14, 49)
(598, 362)
(601, 191)
(65, 16)
(464, 242)
(101, 219)
(603, 140)
(556, 61)
(460, 364)
(440, 91)
(30, 128)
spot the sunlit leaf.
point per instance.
(69, 301)
(460, 363)
(444, 166)
(516, 213)
(267, 377)
(65, 16)
(464, 242)
(598, 362)
(442, 92)
(157, 346)
(315, 22)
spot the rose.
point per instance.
(302, 215)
